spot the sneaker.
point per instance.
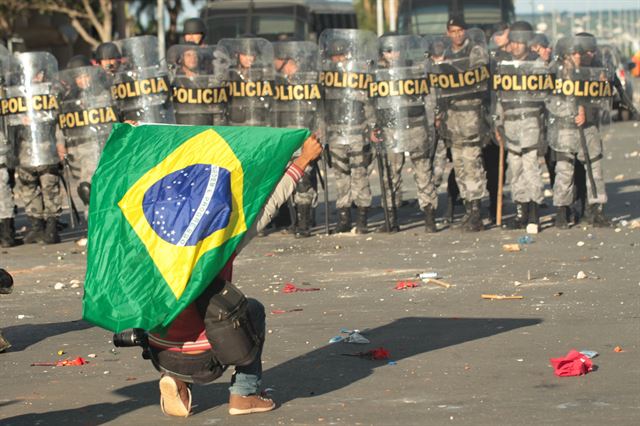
(249, 404)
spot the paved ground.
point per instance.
(458, 359)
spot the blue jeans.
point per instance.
(246, 379)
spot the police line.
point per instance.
(102, 115)
(549, 83)
(22, 104)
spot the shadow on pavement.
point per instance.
(318, 372)
(24, 335)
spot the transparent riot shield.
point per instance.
(583, 86)
(87, 110)
(298, 95)
(251, 81)
(30, 107)
(347, 60)
(399, 92)
(199, 83)
(141, 85)
(459, 72)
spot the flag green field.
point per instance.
(169, 205)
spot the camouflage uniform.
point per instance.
(39, 190)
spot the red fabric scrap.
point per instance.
(403, 285)
(374, 354)
(572, 364)
(290, 288)
(62, 363)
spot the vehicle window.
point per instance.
(430, 19)
(481, 11)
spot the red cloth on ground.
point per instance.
(572, 364)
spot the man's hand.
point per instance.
(311, 150)
(131, 122)
(581, 118)
(62, 152)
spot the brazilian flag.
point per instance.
(169, 205)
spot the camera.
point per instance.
(131, 337)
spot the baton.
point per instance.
(66, 182)
(387, 220)
(325, 185)
(500, 178)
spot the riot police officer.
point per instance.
(578, 111)
(85, 118)
(108, 57)
(39, 153)
(347, 58)
(522, 81)
(7, 204)
(298, 104)
(399, 93)
(460, 101)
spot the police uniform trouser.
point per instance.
(6, 195)
(39, 190)
(83, 161)
(524, 172)
(422, 174)
(350, 163)
(564, 188)
(465, 127)
(306, 190)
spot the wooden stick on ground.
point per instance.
(437, 282)
(501, 297)
(500, 179)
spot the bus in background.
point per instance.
(276, 19)
(429, 17)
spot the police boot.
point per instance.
(597, 217)
(533, 224)
(51, 235)
(7, 233)
(522, 216)
(393, 222)
(448, 216)
(429, 220)
(36, 233)
(303, 219)
(562, 217)
(344, 220)
(361, 221)
(474, 223)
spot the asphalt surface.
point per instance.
(458, 359)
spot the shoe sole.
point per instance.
(238, 411)
(170, 400)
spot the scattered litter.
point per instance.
(82, 242)
(350, 336)
(392, 363)
(22, 316)
(501, 297)
(525, 239)
(618, 178)
(92, 355)
(511, 247)
(532, 228)
(589, 354)
(437, 282)
(64, 363)
(270, 254)
(581, 275)
(59, 286)
(617, 230)
(373, 354)
(403, 285)
(634, 224)
(106, 372)
(425, 275)
(618, 349)
(61, 352)
(282, 311)
(580, 243)
(517, 283)
(131, 379)
(75, 283)
(572, 364)
(291, 288)
(558, 294)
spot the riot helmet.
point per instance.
(338, 50)
(194, 31)
(540, 45)
(520, 34)
(108, 56)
